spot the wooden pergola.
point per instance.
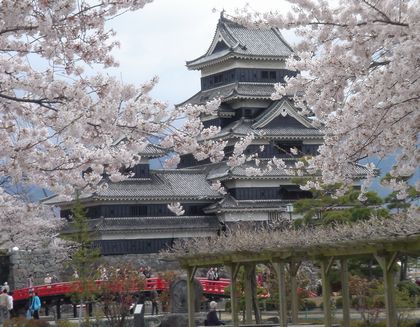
(385, 249)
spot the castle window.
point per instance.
(248, 113)
(138, 211)
(268, 75)
(218, 79)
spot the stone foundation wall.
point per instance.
(143, 260)
(37, 263)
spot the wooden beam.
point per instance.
(279, 267)
(409, 244)
(293, 270)
(193, 271)
(326, 290)
(345, 292)
(190, 294)
(234, 269)
(386, 261)
(248, 292)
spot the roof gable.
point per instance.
(220, 46)
(234, 40)
(278, 110)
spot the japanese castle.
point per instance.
(241, 67)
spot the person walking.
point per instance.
(48, 279)
(154, 298)
(216, 275)
(4, 313)
(30, 281)
(210, 274)
(35, 305)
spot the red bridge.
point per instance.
(213, 287)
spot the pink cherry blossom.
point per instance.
(359, 61)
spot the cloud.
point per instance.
(158, 39)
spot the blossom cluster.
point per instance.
(64, 128)
(359, 78)
(252, 239)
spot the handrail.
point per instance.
(153, 283)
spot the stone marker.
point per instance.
(179, 298)
(139, 316)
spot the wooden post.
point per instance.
(345, 293)
(190, 293)
(74, 311)
(326, 290)
(90, 309)
(387, 261)
(293, 269)
(58, 309)
(281, 278)
(248, 292)
(234, 269)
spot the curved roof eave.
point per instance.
(192, 65)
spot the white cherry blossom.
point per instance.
(359, 61)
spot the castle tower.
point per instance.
(241, 67)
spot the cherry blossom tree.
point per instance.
(63, 128)
(26, 226)
(359, 62)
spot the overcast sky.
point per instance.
(158, 39)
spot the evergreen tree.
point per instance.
(85, 259)
(325, 208)
(396, 202)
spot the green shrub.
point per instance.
(412, 288)
(271, 306)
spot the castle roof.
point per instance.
(229, 203)
(281, 120)
(155, 224)
(163, 185)
(233, 91)
(232, 40)
(221, 171)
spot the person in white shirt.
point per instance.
(30, 282)
(10, 304)
(4, 313)
(48, 279)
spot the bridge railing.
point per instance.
(44, 290)
(216, 287)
